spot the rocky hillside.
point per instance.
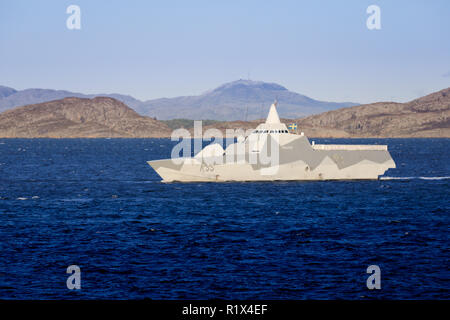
(428, 116)
(79, 118)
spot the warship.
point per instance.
(271, 152)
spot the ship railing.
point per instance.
(348, 147)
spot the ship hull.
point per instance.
(221, 173)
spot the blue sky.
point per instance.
(152, 49)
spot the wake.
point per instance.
(415, 178)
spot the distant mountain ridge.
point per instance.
(237, 100)
(6, 91)
(10, 98)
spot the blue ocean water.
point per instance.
(96, 203)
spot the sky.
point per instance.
(154, 49)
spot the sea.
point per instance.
(96, 204)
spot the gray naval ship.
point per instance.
(271, 152)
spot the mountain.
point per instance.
(428, 116)
(237, 100)
(79, 118)
(244, 99)
(6, 91)
(10, 98)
